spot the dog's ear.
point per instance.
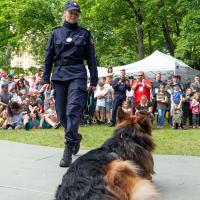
(122, 116)
(144, 123)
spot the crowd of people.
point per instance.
(26, 102)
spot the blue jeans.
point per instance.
(161, 116)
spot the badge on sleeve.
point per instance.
(68, 39)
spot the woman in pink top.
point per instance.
(195, 106)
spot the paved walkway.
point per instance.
(29, 172)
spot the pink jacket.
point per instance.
(195, 105)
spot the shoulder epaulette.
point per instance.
(87, 29)
(56, 27)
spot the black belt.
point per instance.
(66, 62)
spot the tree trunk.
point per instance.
(140, 37)
(168, 40)
(139, 29)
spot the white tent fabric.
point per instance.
(160, 62)
(102, 71)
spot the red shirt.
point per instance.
(141, 90)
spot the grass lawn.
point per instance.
(168, 141)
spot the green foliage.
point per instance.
(168, 25)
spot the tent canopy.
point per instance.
(160, 62)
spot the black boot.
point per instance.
(67, 156)
(76, 146)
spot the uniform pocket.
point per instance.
(80, 42)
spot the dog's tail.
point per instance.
(123, 181)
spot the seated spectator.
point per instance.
(50, 117)
(15, 97)
(10, 81)
(20, 86)
(48, 96)
(126, 107)
(145, 108)
(5, 97)
(195, 105)
(26, 112)
(32, 82)
(15, 116)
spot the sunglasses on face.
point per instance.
(74, 13)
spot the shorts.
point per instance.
(100, 108)
(108, 106)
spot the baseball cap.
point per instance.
(72, 6)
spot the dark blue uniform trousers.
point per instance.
(118, 99)
(70, 97)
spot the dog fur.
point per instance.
(121, 169)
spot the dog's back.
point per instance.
(122, 180)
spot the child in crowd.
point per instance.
(195, 106)
(101, 102)
(50, 116)
(176, 103)
(126, 107)
(15, 116)
(176, 116)
(187, 112)
(162, 99)
(145, 108)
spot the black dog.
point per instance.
(121, 169)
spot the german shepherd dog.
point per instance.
(121, 169)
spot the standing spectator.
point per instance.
(176, 79)
(120, 85)
(141, 86)
(110, 71)
(176, 103)
(100, 94)
(196, 84)
(5, 97)
(109, 98)
(195, 105)
(187, 112)
(162, 100)
(155, 88)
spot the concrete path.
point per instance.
(29, 172)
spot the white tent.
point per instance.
(160, 62)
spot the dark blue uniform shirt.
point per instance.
(73, 44)
(120, 89)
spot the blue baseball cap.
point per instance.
(72, 6)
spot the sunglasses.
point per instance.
(74, 13)
(140, 75)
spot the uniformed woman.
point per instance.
(67, 48)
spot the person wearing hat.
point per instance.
(67, 48)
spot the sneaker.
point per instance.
(57, 125)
